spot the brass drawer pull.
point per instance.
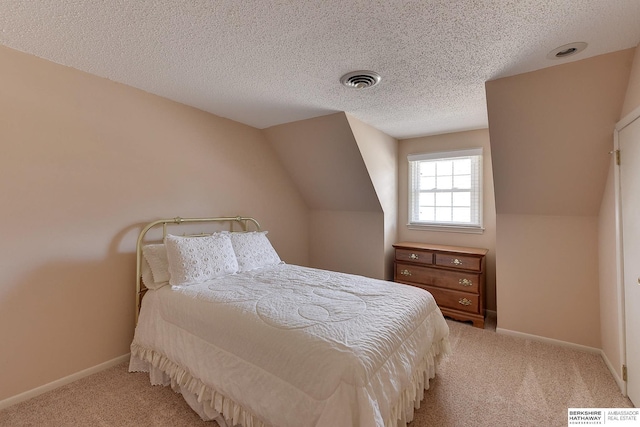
(414, 256)
(465, 282)
(464, 301)
(456, 261)
(405, 272)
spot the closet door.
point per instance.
(629, 145)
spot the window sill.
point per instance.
(446, 228)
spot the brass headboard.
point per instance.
(243, 221)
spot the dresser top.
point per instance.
(443, 248)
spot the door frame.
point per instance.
(624, 122)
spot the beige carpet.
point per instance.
(489, 380)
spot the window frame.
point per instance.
(476, 192)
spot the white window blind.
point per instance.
(445, 188)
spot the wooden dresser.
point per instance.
(454, 275)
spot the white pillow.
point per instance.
(147, 276)
(198, 259)
(156, 256)
(253, 250)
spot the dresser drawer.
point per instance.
(459, 261)
(467, 282)
(414, 256)
(456, 300)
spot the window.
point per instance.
(445, 190)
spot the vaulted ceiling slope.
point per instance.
(551, 134)
(323, 159)
(265, 63)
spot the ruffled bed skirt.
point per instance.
(210, 404)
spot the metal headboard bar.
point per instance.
(243, 221)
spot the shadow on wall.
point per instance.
(67, 315)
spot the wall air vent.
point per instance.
(360, 79)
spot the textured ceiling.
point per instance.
(270, 62)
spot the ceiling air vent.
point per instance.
(567, 50)
(360, 79)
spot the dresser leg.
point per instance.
(478, 323)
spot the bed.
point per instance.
(252, 341)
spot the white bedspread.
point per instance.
(290, 346)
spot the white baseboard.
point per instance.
(62, 381)
(549, 340)
(621, 384)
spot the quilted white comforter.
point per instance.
(290, 346)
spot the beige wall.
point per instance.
(551, 131)
(452, 141)
(325, 161)
(611, 331)
(547, 277)
(380, 154)
(85, 162)
(632, 96)
(349, 242)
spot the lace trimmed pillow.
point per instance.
(147, 276)
(157, 273)
(198, 259)
(253, 250)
